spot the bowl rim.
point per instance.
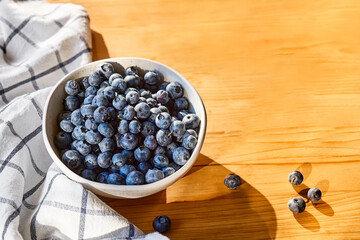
(128, 188)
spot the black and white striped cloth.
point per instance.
(39, 43)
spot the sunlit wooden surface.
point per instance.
(281, 85)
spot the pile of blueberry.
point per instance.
(297, 204)
(130, 130)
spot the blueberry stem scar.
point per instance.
(170, 133)
(292, 180)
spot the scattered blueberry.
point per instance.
(296, 205)
(161, 223)
(232, 181)
(295, 178)
(314, 194)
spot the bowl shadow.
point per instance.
(204, 208)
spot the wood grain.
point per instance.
(281, 85)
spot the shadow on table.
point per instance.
(199, 206)
(99, 49)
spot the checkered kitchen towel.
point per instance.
(39, 43)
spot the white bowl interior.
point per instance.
(54, 106)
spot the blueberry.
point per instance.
(163, 109)
(72, 158)
(87, 110)
(126, 169)
(151, 78)
(109, 92)
(84, 84)
(88, 174)
(79, 132)
(114, 168)
(181, 104)
(181, 114)
(132, 81)
(130, 89)
(128, 112)
(64, 116)
(115, 178)
(163, 120)
(174, 166)
(148, 128)
(102, 177)
(91, 124)
(295, 178)
(181, 155)
(105, 69)
(314, 194)
(104, 159)
(78, 170)
(232, 181)
(100, 100)
(62, 140)
(72, 87)
(119, 159)
(100, 91)
(170, 149)
(142, 154)
(189, 142)
(71, 103)
(104, 84)
(145, 93)
(90, 161)
(131, 71)
(142, 110)
(160, 150)
(93, 137)
(296, 205)
(94, 79)
(90, 91)
(175, 90)
(114, 76)
(177, 128)
(162, 97)
(132, 97)
(150, 142)
(135, 126)
(83, 147)
(191, 121)
(151, 88)
(129, 141)
(128, 154)
(119, 85)
(88, 99)
(135, 178)
(151, 102)
(153, 175)
(168, 171)
(119, 102)
(101, 114)
(112, 113)
(161, 223)
(160, 161)
(66, 126)
(191, 132)
(154, 112)
(163, 85)
(81, 96)
(106, 130)
(144, 167)
(163, 137)
(107, 144)
(123, 127)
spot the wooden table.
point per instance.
(281, 85)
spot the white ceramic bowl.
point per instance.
(54, 105)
